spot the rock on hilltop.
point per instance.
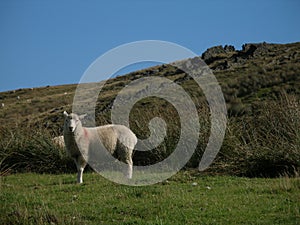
(220, 58)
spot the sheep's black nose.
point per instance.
(70, 128)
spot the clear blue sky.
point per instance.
(53, 42)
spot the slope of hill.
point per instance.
(258, 81)
(255, 73)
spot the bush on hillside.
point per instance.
(266, 144)
(26, 150)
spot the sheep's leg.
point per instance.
(129, 169)
(125, 155)
(79, 175)
(80, 164)
(129, 173)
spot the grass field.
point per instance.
(186, 198)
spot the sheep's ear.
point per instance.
(65, 114)
(81, 117)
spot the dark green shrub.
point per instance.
(27, 150)
(265, 144)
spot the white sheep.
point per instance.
(79, 141)
(59, 141)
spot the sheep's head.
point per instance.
(72, 120)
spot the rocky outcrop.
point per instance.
(215, 53)
(228, 51)
(220, 58)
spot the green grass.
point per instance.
(56, 199)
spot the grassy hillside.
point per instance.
(255, 73)
(261, 86)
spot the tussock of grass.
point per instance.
(266, 144)
(26, 150)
